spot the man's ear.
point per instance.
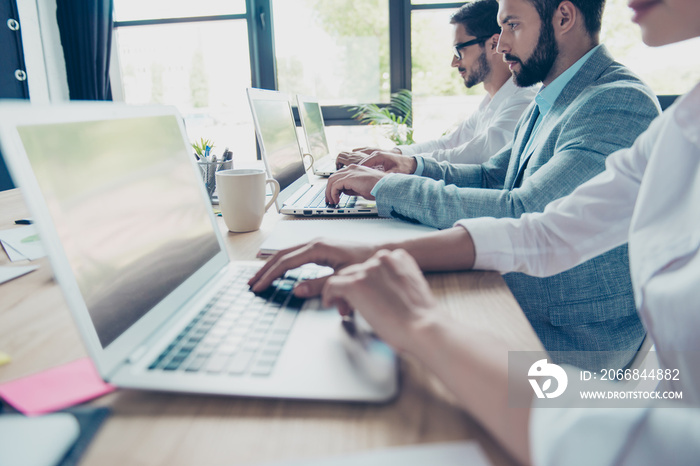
(492, 43)
(565, 17)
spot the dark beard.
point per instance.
(537, 67)
(479, 72)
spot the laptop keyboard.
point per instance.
(319, 201)
(237, 332)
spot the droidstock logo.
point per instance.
(542, 368)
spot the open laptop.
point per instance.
(136, 249)
(279, 144)
(322, 162)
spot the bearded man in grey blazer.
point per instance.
(589, 107)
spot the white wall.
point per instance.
(43, 55)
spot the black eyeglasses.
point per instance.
(478, 40)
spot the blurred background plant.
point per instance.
(396, 117)
(200, 146)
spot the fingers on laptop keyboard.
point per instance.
(284, 261)
(262, 273)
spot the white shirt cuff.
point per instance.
(494, 249)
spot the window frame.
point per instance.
(261, 45)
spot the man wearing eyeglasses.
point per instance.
(588, 107)
(476, 57)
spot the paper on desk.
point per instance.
(444, 454)
(37, 441)
(56, 388)
(24, 240)
(13, 255)
(8, 273)
(288, 233)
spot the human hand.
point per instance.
(321, 252)
(353, 181)
(370, 150)
(390, 162)
(349, 158)
(389, 291)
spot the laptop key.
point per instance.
(263, 367)
(196, 364)
(217, 363)
(252, 344)
(276, 340)
(174, 364)
(285, 319)
(155, 363)
(295, 302)
(240, 361)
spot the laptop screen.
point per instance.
(279, 140)
(313, 128)
(127, 208)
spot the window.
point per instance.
(200, 66)
(672, 69)
(131, 10)
(337, 51)
(200, 56)
(440, 99)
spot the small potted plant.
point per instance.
(209, 165)
(397, 117)
(202, 149)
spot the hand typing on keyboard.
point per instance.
(389, 291)
(353, 181)
(236, 333)
(327, 253)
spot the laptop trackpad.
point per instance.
(338, 365)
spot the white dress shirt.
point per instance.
(649, 196)
(484, 133)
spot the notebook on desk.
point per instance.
(322, 162)
(279, 145)
(137, 252)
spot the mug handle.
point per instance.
(275, 192)
(310, 158)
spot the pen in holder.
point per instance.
(209, 170)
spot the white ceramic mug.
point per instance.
(242, 197)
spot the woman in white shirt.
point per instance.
(649, 196)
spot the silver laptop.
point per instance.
(322, 162)
(279, 144)
(134, 245)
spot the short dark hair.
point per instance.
(592, 11)
(479, 18)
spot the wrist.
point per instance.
(412, 165)
(425, 336)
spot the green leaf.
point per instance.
(397, 116)
(201, 146)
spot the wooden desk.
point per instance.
(151, 428)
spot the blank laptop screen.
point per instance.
(127, 208)
(313, 127)
(279, 140)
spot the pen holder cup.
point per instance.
(208, 170)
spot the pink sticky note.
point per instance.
(56, 388)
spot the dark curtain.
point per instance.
(13, 85)
(86, 37)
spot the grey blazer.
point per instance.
(591, 307)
